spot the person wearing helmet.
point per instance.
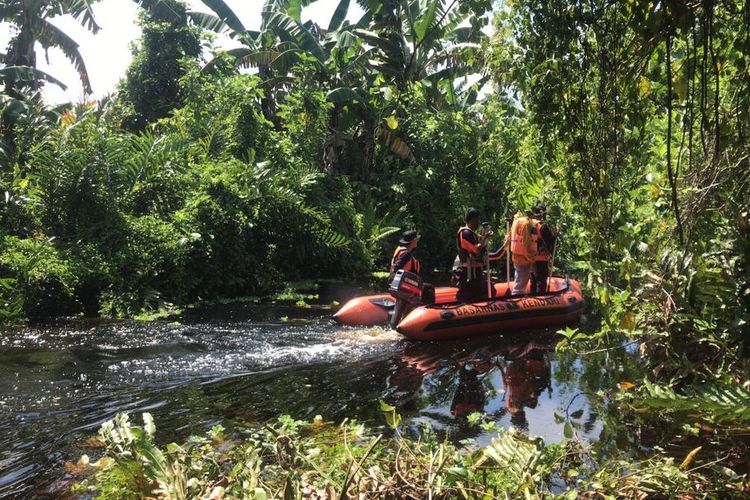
(403, 257)
(543, 240)
(469, 265)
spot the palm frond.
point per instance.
(81, 10)
(50, 35)
(226, 14)
(28, 74)
(519, 457)
(288, 30)
(207, 21)
(715, 401)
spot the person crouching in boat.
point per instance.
(469, 266)
(522, 251)
(403, 257)
(544, 238)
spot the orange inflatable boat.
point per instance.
(446, 319)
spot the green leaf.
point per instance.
(425, 21)
(385, 406)
(568, 430)
(28, 74)
(344, 95)
(519, 456)
(392, 418)
(474, 418)
(207, 21)
(339, 15)
(226, 14)
(392, 122)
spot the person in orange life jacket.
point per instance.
(469, 265)
(403, 257)
(544, 238)
(523, 252)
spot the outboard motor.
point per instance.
(406, 288)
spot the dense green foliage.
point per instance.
(639, 115)
(173, 215)
(250, 181)
(628, 118)
(151, 85)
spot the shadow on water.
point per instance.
(242, 363)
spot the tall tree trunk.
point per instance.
(670, 173)
(365, 144)
(334, 143)
(21, 53)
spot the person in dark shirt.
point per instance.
(545, 239)
(403, 257)
(469, 265)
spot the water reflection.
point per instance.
(503, 378)
(525, 378)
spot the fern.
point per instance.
(521, 459)
(716, 402)
(10, 300)
(378, 226)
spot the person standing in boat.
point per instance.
(469, 266)
(523, 252)
(544, 238)
(403, 257)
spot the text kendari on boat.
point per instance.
(419, 317)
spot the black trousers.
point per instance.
(540, 273)
(472, 290)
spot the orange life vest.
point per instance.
(411, 265)
(522, 254)
(463, 253)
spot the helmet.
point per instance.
(471, 213)
(539, 209)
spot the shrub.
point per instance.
(149, 267)
(43, 277)
(321, 460)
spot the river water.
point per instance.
(252, 362)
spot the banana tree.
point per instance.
(285, 41)
(425, 40)
(394, 40)
(287, 49)
(222, 19)
(31, 20)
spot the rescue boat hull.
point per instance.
(374, 310)
(449, 320)
(500, 315)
